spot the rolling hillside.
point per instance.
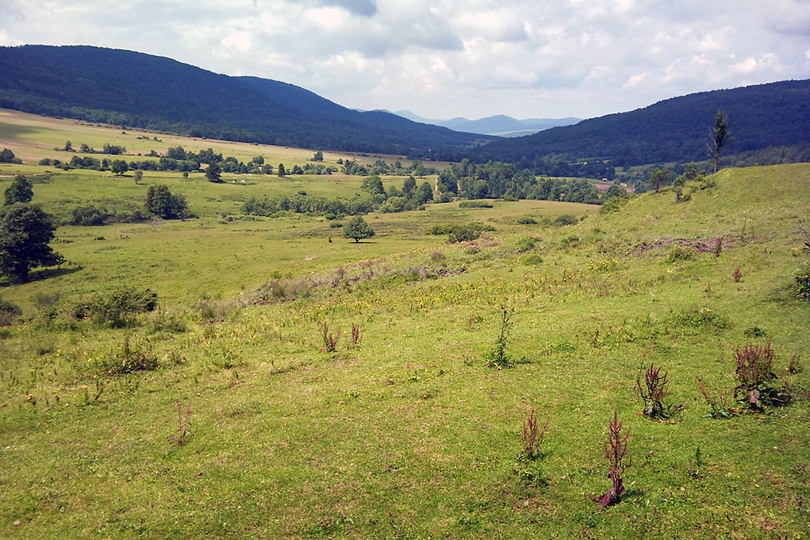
(677, 129)
(140, 90)
(294, 383)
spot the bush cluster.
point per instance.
(113, 310)
(8, 312)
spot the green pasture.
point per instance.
(406, 433)
(32, 137)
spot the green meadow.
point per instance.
(225, 413)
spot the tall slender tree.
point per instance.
(720, 137)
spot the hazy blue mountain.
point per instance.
(498, 125)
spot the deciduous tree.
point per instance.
(25, 231)
(160, 201)
(213, 172)
(659, 178)
(20, 190)
(358, 229)
(119, 167)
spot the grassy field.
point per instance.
(407, 432)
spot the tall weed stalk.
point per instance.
(619, 458)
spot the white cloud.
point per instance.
(328, 18)
(445, 58)
(238, 41)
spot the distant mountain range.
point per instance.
(140, 90)
(499, 125)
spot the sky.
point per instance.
(446, 58)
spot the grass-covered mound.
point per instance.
(286, 385)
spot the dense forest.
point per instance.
(762, 116)
(138, 90)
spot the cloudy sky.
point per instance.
(447, 58)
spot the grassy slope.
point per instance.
(409, 434)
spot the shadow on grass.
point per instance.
(41, 275)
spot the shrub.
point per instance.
(215, 310)
(167, 322)
(755, 332)
(43, 300)
(565, 219)
(129, 358)
(89, 215)
(606, 265)
(701, 318)
(465, 233)
(437, 257)
(475, 204)
(756, 380)
(803, 283)
(526, 243)
(8, 312)
(282, 290)
(680, 253)
(613, 204)
(533, 259)
(526, 220)
(114, 310)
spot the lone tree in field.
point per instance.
(119, 167)
(25, 231)
(20, 190)
(658, 178)
(160, 201)
(720, 137)
(213, 173)
(358, 229)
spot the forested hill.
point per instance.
(140, 90)
(762, 116)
